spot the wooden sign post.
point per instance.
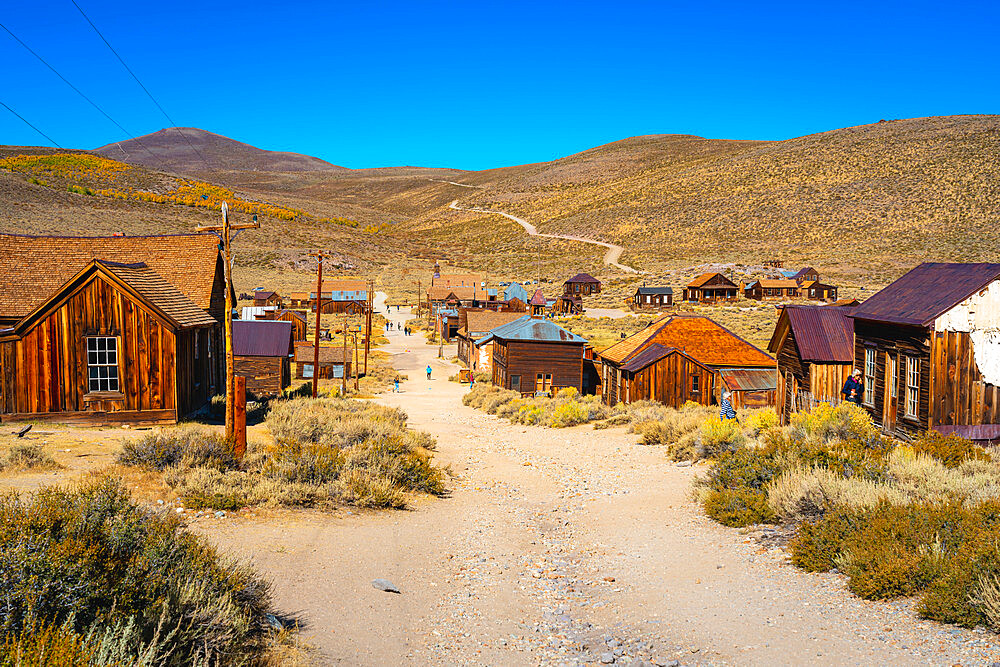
(240, 418)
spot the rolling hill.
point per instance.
(180, 150)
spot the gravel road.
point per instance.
(562, 547)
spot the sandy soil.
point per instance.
(561, 547)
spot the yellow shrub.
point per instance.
(762, 420)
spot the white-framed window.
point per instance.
(307, 370)
(912, 386)
(869, 398)
(102, 363)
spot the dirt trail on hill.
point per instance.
(560, 547)
(611, 257)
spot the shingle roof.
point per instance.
(776, 283)
(655, 290)
(34, 267)
(327, 353)
(482, 321)
(705, 277)
(262, 338)
(538, 299)
(461, 292)
(263, 294)
(457, 280)
(925, 292)
(647, 357)
(822, 333)
(583, 278)
(701, 338)
(161, 294)
(527, 328)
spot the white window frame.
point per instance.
(106, 358)
(912, 388)
(307, 371)
(870, 368)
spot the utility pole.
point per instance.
(224, 232)
(419, 286)
(368, 323)
(344, 358)
(319, 309)
(356, 359)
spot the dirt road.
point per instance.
(561, 547)
(611, 257)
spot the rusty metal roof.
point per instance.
(979, 433)
(749, 379)
(651, 355)
(925, 292)
(533, 329)
(262, 338)
(822, 333)
(537, 299)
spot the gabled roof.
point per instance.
(583, 278)
(780, 283)
(262, 338)
(538, 299)
(706, 277)
(515, 291)
(655, 290)
(527, 328)
(823, 334)
(651, 355)
(926, 292)
(749, 379)
(801, 273)
(481, 321)
(706, 341)
(294, 313)
(138, 280)
(263, 294)
(34, 267)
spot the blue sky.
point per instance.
(475, 85)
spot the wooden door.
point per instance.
(891, 403)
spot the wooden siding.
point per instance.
(668, 381)
(266, 376)
(959, 395)
(564, 361)
(641, 301)
(822, 381)
(45, 371)
(900, 341)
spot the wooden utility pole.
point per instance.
(319, 310)
(368, 325)
(343, 369)
(356, 359)
(419, 286)
(224, 232)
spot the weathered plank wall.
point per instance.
(266, 376)
(564, 361)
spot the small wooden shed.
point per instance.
(814, 346)
(266, 298)
(667, 375)
(711, 287)
(652, 298)
(262, 352)
(332, 364)
(297, 318)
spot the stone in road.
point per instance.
(560, 547)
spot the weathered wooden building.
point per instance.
(538, 304)
(806, 274)
(814, 346)
(267, 298)
(295, 317)
(772, 289)
(569, 304)
(928, 346)
(475, 326)
(112, 329)
(332, 363)
(652, 298)
(682, 358)
(533, 355)
(818, 291)
(582, 284)
(262, 352)
(711, 287)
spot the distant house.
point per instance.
(771, 289)
(569, 304)
(582, 284)
(818, 291)
(477, 325)
(533, 355)
(298, 320)
(683, 358)
(711, 287)
(266, 298)
(646, 298)
(806, 274)
(332, 364)
(814, 346)
(342, 296)
(457, 280)
(538, 304)
(929, 349)
(262, 353)
(515, 305)
(109, 329)
(515, 291)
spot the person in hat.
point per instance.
(726, 410)
(853, 390)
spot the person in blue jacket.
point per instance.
(853, 390)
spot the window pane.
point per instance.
(94, 385)
(92, 357)
(93, 372)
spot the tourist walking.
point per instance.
(726, 410)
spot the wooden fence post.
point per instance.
(240, 421)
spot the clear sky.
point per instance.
(478, 84)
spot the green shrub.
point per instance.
(189, 446)
(818, 544)
(738, 507)
(721, 435)
(27, 456)
(92, 559)
(569, 414)
(951, 450)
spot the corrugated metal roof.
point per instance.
(822, 333)
(527, 328)
(980, 433)
(927, 291)
(655, 290)
(481, 322)
(749, 379)
(249, 313)
(262, 338)
(515, 291)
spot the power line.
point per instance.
(128, 69)
(28, 123)
(80, 93)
